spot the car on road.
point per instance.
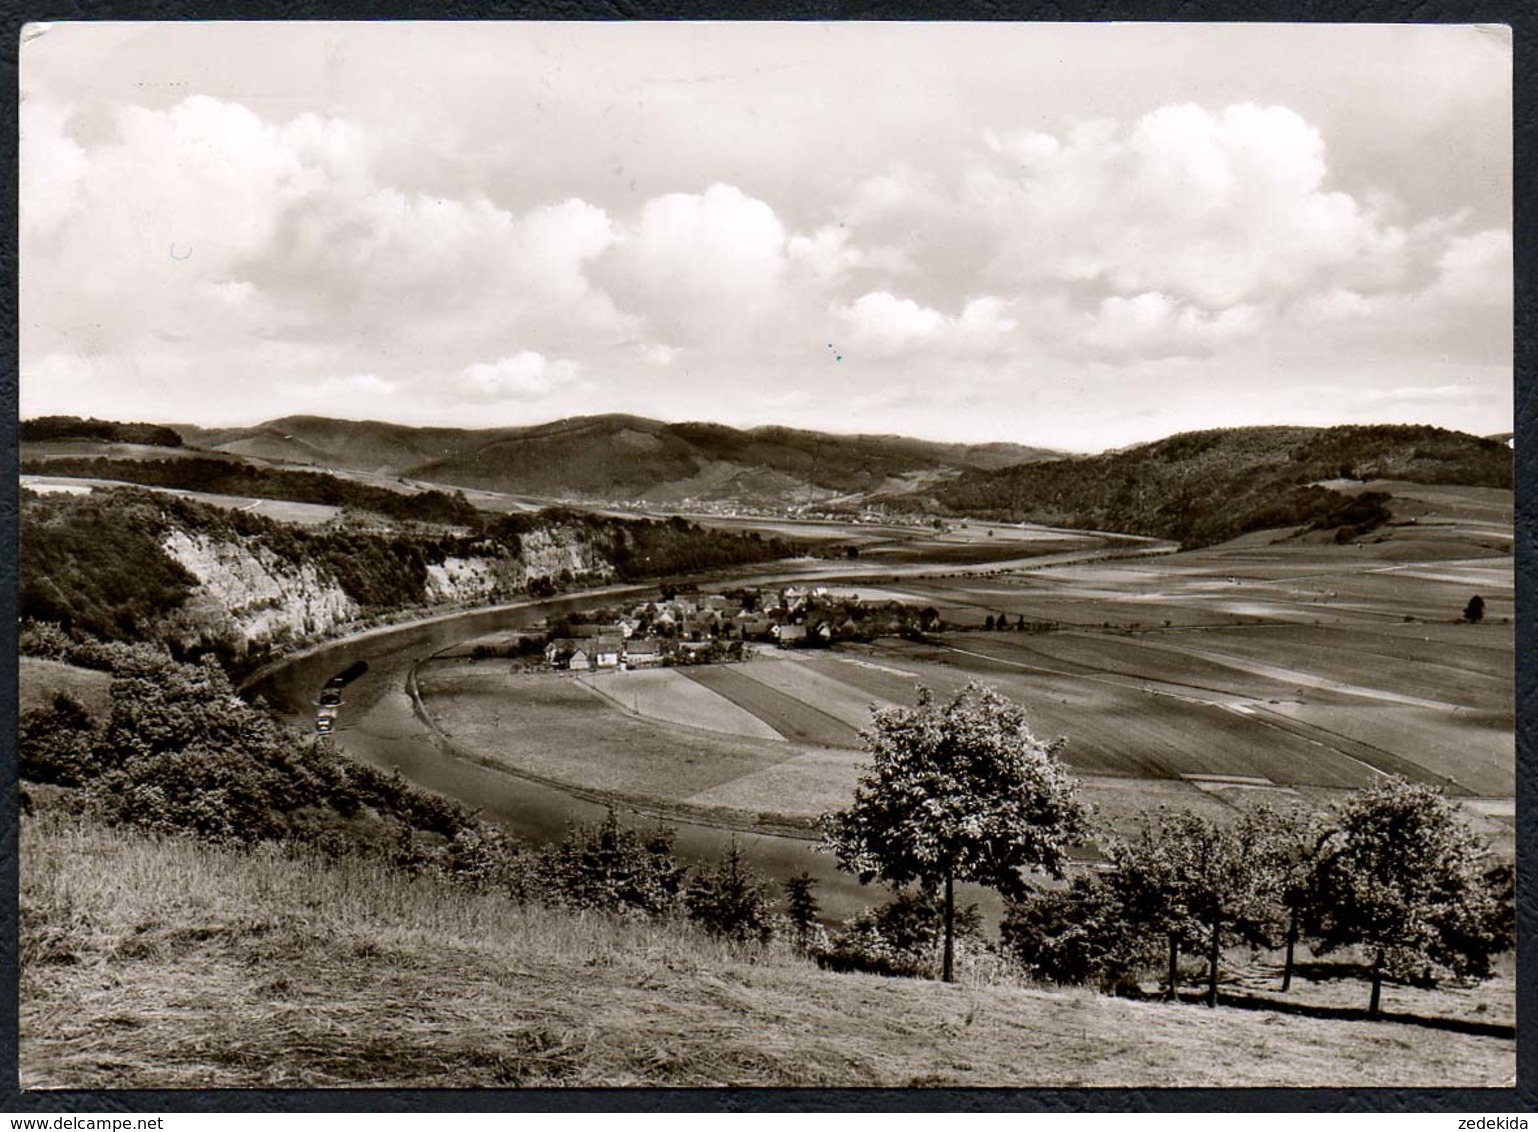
(324, 724)
(331, 697)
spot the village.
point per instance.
(701, 628)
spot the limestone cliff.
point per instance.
(254, 597)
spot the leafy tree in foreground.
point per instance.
(1474, 611)
(1199, 882)
(962, 791)
(1151, 890)
(1405, 879)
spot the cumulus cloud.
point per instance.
(523, 376)
(1464, 310)
(225, 254)
(1212, 207)
(1153, 324)
(52, 166)
(698, 243)
(1027, 147)
(884, 322)
(660, 354)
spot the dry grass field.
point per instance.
(668, 695)
(284, 511)
(173, 964)
(38, 680)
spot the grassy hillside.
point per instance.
(284, 969)
(615, 456)
(1204, 487)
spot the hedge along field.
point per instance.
(38, 680)
(284, 511)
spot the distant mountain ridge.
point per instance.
(1201, 488)
(619, 456)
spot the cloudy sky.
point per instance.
(1076, 236)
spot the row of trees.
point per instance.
(964, 792)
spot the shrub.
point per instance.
(1075, 937)
(57, 743)
(730, 900)
(902, 937)
(608, 867)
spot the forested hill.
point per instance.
(1201, 488)
(40, 429)
(616, 456)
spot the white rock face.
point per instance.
(267, 598)
(461, 579)
(547, 552)
(265, 595)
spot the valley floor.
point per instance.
(170, 964)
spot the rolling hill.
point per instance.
(1205, 487)
(617, 456)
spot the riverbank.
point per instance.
(427, 616)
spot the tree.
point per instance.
(1405, 879)
(1147, 881)
(988, 623)
(1199, 883)
(730, 900)
(962, 791)
(1299, 846)
(615, 869)
(1474, 611)
(801, 907)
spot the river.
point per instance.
(377, 725)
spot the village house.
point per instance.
(790, 636)
(558, 653)
(753, 626)
(605, 652)
(643, 653)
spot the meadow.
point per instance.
(170, 963)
